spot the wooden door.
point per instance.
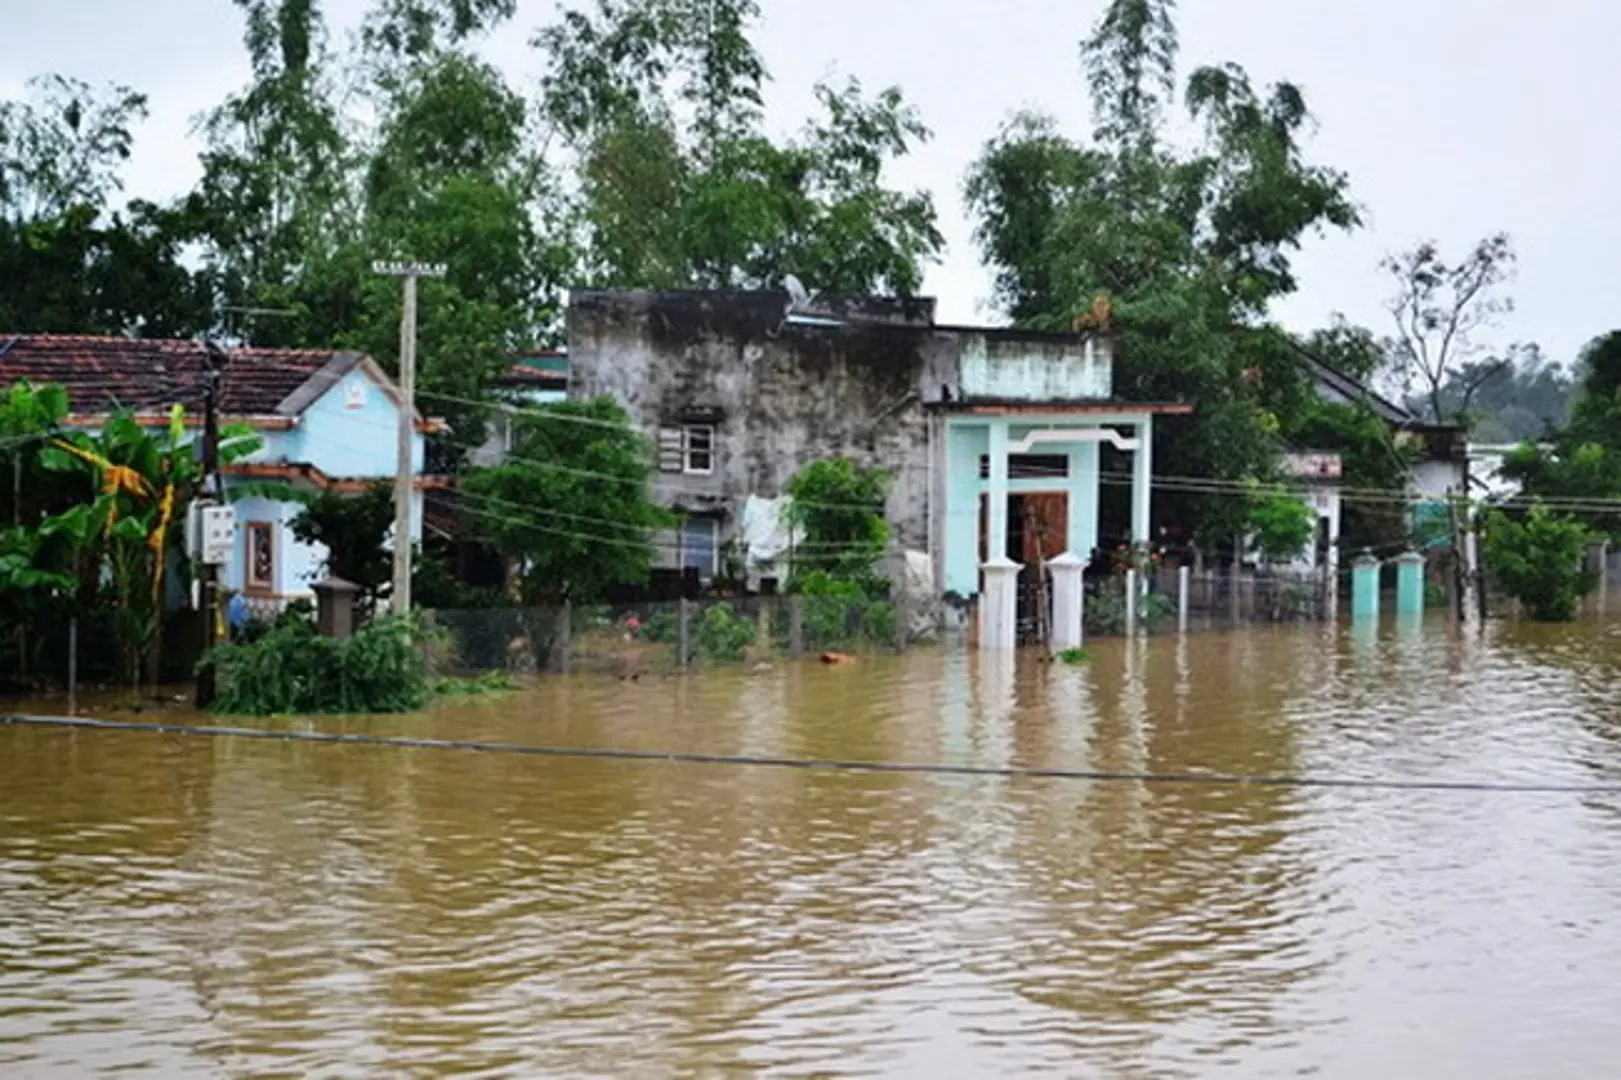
(1046, 526)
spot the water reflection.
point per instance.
(206, 907)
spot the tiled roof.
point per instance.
(104, 373)
(538, 371)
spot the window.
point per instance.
(261, 557)
(698, 449)
(687, 449)
(700, 545)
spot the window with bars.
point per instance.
(1029, 466)
(687, 449)
(261, 557)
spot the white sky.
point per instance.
(1454, 118)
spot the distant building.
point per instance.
(1441, 471)
(328, 420)
(991, 436)
(535, 378)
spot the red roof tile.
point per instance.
(104, 373)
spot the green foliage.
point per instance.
(489, 682)
(841, 611)
(836, 509)
(294, 670)
(354, 529)
(1073, 656)
(1539, 561)
(1374, 468)
(1282, 527)
(570, 508)
(1192, 248)
(722, 635)
(1583, 461)
(1105, 612)
(712, 201)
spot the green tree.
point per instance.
(1539, 560)
(836, 510)
(354, 529)
(569, 510)
(680, 187)
(1282, 527)
(1191, 248)
(1583, 459)
(72, 261)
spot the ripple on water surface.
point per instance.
(207, 907)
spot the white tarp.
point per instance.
(764, 530)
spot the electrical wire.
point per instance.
(1010, 772)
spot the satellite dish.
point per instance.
(798, 298)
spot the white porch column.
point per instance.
(999, 605)
(1142, 485)
(1069, 598)
(999, 602)
(996, 494)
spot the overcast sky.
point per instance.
(1454, 118)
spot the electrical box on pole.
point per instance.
(211, 532)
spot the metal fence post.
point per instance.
(1184, 579)
(565, 636)
(796, 627)
(684, 647)
(1131, 602)
(73, 666)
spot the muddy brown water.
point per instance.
(182, 906)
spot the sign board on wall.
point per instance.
(1312, 466)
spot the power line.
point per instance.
(1199, 779)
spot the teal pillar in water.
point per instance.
(1364, 588)
(1410, 583)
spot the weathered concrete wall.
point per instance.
(783, 395)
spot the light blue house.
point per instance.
(328, 421)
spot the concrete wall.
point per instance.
(1035, 368)
(781, 395)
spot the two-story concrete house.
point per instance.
(992, 437)
(328, 420)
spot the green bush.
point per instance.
(294, 670)
(721, 634)
(842, 611)
(1538, 560)
(1105, 613)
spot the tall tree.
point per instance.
(273, 193)
(1192, 248)
(1440, 308)
(661, 101)
(71, 259)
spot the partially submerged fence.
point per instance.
(631, 639)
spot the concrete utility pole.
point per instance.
(400, 601)
(212, 490)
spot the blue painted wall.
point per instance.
(349, 431)
(966, 442)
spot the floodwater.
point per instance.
(183, 906)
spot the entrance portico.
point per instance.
(1038, 467)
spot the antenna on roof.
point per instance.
(230, 333)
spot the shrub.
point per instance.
(722, 634)
(294, 670)
(842, 610)
(1105, 612)
(1538, 560)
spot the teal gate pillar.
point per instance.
(1364, 588)
(1410, 583)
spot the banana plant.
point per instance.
(140, 479)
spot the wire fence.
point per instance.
(631, 639)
